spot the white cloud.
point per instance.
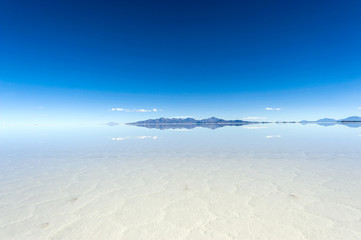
(254, 118)
(146, 110)
(274, 136)
(134, 110)
(118, 139)
(120, 109)
(272, 109)
(359, 108)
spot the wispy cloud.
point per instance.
(134, 110)
(118, 139)
(272, 109)
(253, 118)
(274, 136)
(359, 108)
(147, 110)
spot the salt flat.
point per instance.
(231, 183)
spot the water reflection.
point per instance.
(134, 137)
(142, 178)
(166, 126)
(352, 125)
(348, 124)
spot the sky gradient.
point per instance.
(70, 61)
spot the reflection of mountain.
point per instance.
(353, 122)
(326, 124)
(189, 123)
(112, 124)
(214, 123)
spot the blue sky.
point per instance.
(66, 61)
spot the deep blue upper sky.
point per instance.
(136, 54)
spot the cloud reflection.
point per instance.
(134, 137)
(254, 127)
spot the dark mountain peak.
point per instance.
(211, 120)
(351, 119)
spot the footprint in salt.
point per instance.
(292, 196)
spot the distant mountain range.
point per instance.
(175, 123)
(353, 121)
(213, 122)
(330, 120)
(327, 120)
